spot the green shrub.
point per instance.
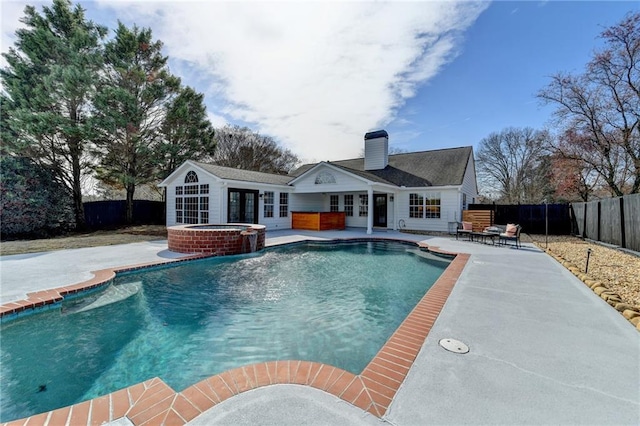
(32, 203)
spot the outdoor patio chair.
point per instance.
(466, 229)
(510, 235)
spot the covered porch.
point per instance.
(369, 208)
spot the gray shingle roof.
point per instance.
(244, 175)
(427, 168)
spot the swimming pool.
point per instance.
(332, 304)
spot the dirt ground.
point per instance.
(99, 238)
(617, 269)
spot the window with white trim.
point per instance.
(284, 204)
(334, 203)
(432, 205)
(192, 201)
(364, 205)
(268, 204)
(416, 205)
(425, 205)
(204, 209)
(348, 205)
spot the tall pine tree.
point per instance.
(48, 86)
(131, 108)
(187, 133)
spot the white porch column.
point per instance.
(370, 211)
(395, 210)
(223, 209)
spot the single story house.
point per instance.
(415, 191)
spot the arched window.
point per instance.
(325, 177)
(192, 201)
(191, 177)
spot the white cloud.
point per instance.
(216, 120)
(11, 12)
(314, 75)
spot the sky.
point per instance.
(316, 76)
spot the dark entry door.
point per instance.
(242, 206)
(380, 210)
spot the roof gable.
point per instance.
(181, 169)
(303, 172)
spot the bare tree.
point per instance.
(512, 165)
(243, 148)
(598, 112)
(573, 179)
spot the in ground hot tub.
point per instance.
(219, 240)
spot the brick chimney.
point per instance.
(376, 150)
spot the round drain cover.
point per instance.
(453, 345)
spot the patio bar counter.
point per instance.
(318, 221)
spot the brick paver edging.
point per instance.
(153, 402)
(49, 298)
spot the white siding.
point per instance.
(275, 222)
(313, 191)
(390, 211)
(214, 203)
(469, 186)
(322, 203)
(344, 182)
(355, 221)
(203, 178)
(448, 205)
(306, 202)
(218, 199)
(376, 153)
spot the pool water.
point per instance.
(335, 304)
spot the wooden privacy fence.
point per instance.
(480, 218)
(610, 220)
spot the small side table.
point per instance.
(453, 227)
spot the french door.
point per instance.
(242, 206)
(380, 210)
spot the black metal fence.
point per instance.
(610, 220)
(112, 213)
(532, 217)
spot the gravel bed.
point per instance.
(619, 270)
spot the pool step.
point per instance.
(429, 256)
(113, 294)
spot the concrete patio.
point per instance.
(544, 349)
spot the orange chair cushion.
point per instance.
(511, 230)
(467, 226)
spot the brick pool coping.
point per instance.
(153, 402)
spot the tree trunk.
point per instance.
(129, 211)
(78, 209)
(78, 206)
